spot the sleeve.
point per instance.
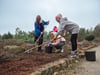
(57, 42)
(37, 29)
(45, 22)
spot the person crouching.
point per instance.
(58, 42)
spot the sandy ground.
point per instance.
(90, 68)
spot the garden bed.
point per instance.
(15, 62)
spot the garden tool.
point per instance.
(30, 50)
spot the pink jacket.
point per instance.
(55, 29)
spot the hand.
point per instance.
(50, 44)
(64, 35)
(41, 33)
(48, 22)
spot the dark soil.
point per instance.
(26, 66)
(15, 62)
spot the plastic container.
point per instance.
(90, 55)
(48, 49)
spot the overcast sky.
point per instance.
(22, 13)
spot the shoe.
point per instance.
(62, 50)
(74, 52)
(39, 50)
(58, 51)
(71, 56)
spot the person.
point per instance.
(38, 32)
(59, 42)
(70, 27)
(55, 29)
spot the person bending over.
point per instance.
(70, 27)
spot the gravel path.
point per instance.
(86, 67)
(90, 68)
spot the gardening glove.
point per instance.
(50, 44)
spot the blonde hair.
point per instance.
(52, 35)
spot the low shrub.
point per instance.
(90, 37)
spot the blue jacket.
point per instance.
(39, 27)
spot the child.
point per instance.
(55, 29)
(72, 28)
(39, 28)
(59, 42)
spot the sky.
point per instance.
(22, 13)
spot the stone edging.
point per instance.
(61, 64)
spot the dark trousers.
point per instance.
(60, 45)
(39, 42)
(74, 41)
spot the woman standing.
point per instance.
(39, 28)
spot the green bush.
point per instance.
(30, 40)
(7, 36)
(90, 37)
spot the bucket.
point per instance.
(90, 55)
(48, 49)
